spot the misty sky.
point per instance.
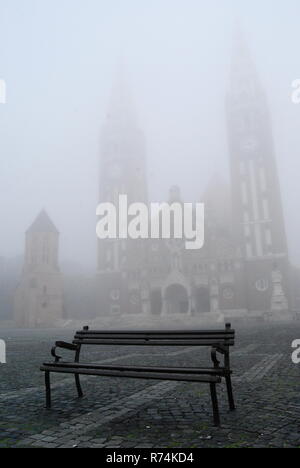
(59, 59)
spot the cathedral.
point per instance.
(243, 270)
(241, 273)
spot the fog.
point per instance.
(60, 59)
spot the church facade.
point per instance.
(243, 270)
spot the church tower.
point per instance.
(257, 208)
(122, 172)
(39, 296)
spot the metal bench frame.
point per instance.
(220, 342)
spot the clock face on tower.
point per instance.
(249, 145)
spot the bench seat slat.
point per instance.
(172, 370)
(153, 337)
(133, 374)
(156, 332)
(150, 342)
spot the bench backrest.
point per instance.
(223, 337)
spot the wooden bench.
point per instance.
(220, 342)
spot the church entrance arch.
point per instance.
(177, 299)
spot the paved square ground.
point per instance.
(134, 413)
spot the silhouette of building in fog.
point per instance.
(243, 269)
(242, 272)
(39, 296)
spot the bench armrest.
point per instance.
(214, 358)
(62, 345)
(221, 350)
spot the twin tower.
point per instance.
(242, 273)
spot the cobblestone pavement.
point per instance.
(135, 413)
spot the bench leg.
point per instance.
(230, 393)
(48, 390)
(215, 405)
(78, 386)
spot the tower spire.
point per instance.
(121, 108)
(244, 78)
